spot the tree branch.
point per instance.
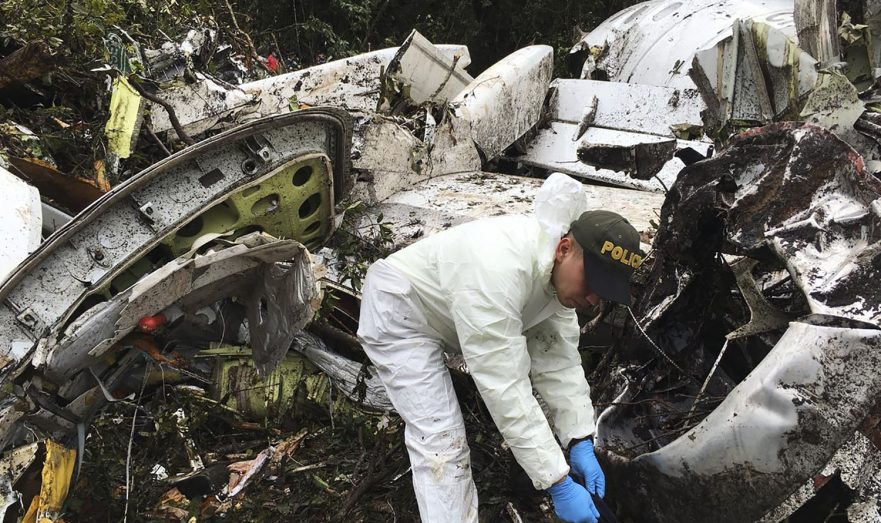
(172, 117)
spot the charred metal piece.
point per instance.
(790, 195)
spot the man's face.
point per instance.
(568, 278)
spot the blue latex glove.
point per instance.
(572, 503)
(586, 468)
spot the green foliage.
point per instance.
(361, 240)
(301, 32)
(76, 28)
(309, 31)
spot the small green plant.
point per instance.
(361, 240)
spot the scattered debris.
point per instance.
(756, 76)
(419, 73)
(166, 309)
(243, 472)
(621, 134)
(798, 200)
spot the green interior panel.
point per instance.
(292, 202)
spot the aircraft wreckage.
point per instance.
(740, 137)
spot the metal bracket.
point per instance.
(31, 321)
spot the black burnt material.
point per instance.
(796, 199)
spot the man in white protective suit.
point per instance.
(504, 292)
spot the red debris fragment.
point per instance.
(149, 324)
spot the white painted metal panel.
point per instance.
(553, 149)
(627, 107)
(654, 42)
(442, 202)
(506, 100)
(349, 83)
(20, 221)
(430, 74)
(201, 106)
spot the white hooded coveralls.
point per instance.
(482, 288)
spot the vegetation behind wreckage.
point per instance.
(66, 105)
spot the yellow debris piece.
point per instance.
(125, 115)
(57, 473)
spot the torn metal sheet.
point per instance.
(770, 434)
(553, 149)
(795, 189)
(505, 101)
(235, 271)
(348, 376)
(626, 107)
(392, 156)
(754, 76)
(349, 83)
(247, 471)
(423, 74)
(55, 482)
(763, 316)
(618, 152)
(797, 198)
(816, 23)
(826, 226)
(311, 368)
(654, 42)
(395, 160)
(126, 114)
(859, 464)
(279, 305)
(835, 104)
(176, 199)
(623, 132)
(13, 464)
(446, 201)
(20, 219)
(202, 105)
(238, 270)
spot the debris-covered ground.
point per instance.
(180, 294)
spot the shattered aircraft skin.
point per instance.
(348, 83)
(177, 241)
(198, 227)
(158, 205)
(654, 42)
(794, 198)
(784, 219)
